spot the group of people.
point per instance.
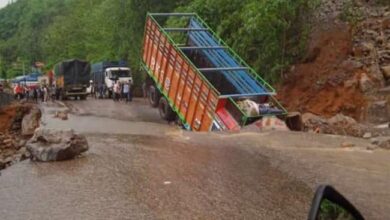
(122, 91)
(34, 93)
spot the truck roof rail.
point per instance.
(223, 69)
(185, 29)
(172, 14)
(204, 48)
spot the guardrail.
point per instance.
(5, 99)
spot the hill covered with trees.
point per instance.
(269, 34)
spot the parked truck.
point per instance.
(194, 76)
(105, 74)
(72, 78)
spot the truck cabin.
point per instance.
(115, 73)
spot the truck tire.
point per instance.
(154, 96)
(165, 110)
(83, 97)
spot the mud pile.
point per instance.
(327, 82)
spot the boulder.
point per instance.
(386, 71)
(63, 115)
(345, 125)
(365, 83)
(53, 145)
(378, 112)
(315, 123)
(382, 142)
(31, 121)
(294, 121)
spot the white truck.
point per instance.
(105, 74)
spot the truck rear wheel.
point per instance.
(154, 96)
(165, 110)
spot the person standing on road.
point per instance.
(126, 91)
(129, 95)
(121, 95)
(26, 92)
(45, 94)
(144, 90)
(35, 94)
(117, 91)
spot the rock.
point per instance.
(386, 23)
(61, 115)
(383, 126)
(31, 121)
(376, 74)
(350, 65)
(378, 112)
(384, 91)
(365, 83)
(362, 49)
(294, 121)
(52, 145)
(367, 135)
(386, 71)
(382, 142)
(351, 83)
(7, 141)
(345, 125)
(315, 123)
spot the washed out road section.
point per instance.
(145, 170)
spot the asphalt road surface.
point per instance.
(139, 167)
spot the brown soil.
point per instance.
(318, 85)
(7, 115)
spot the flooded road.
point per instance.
(146, 169)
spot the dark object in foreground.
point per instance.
(329, 204)
(51, 145)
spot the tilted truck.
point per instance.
(72, 78)
(194, 76)
(107, 73)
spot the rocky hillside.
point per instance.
(347, 69)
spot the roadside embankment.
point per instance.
(17, 123)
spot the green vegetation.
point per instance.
(330, 210)
(352, 13)
(268, 34)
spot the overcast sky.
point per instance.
(3, 3)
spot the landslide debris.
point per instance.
(345, 76)
(12, 142)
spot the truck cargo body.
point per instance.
(202, 79)
(107, 72)
(72, 78)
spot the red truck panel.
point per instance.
(188, 92)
